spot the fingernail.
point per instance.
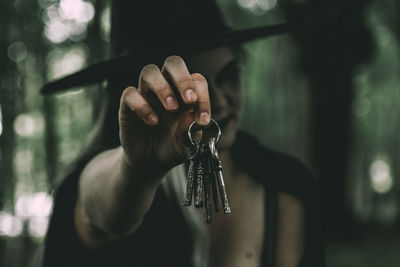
(190, 95)
(171, 102)
(153, 119)
(205, 117)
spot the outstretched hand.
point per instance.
(154, 118)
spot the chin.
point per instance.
(227, 136)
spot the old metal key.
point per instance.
(193, 153)
(205, 171)
(200, 173)
(216, 167)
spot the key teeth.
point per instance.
(227, 210)
(205, 176)
(218, 166)
(185, 203)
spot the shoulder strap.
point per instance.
(279, 172)
(273, 168)
(271, 205)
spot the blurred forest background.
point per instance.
(328, 94)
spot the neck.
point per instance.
(229, 168)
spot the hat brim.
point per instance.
(100, 71)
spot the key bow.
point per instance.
(205, 170)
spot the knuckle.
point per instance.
(163, 90)
(197, 77)
(203, 101)
(142, 108)
(204, 105)
(184, 82)
(200, 82)
(202, 85)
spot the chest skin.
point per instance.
(236, 239)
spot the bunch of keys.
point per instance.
(205, 177)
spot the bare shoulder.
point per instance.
(291, 230)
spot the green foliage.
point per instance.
(39, 136)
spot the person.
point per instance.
(176, 62)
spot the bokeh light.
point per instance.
(11, 81)
(36, 205)
(10, 225)
(381, 179)
(361, 106)
(35, 209)
(17, 51)
(57, 31)
(67, 20)
(62, 62)
(266, 4)
(247, 3)
(257, 7)
(383, 35)
(105, 24)
(23, 161)
(77, 10)
(37, 227)
(29, 125)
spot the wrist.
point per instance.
(143, 172)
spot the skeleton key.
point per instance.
(200, 172)
(207, 196)
(205, 171)
(213, 185)
(193, 153)
(217, 168)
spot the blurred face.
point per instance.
(221, 68)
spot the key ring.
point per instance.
(194, 126)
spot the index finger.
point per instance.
(203, 107)
(175, 68)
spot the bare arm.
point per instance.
(117, 187)
(291, 231)
(111, 202)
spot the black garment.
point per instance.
(158, 241)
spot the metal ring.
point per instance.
(195, 126)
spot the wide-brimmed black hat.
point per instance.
(143, 29)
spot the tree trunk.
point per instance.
(333, 40)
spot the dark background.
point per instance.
(328, 94)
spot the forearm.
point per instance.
(115, 196)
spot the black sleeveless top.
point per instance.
(159, 240)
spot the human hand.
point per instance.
(154, 118)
